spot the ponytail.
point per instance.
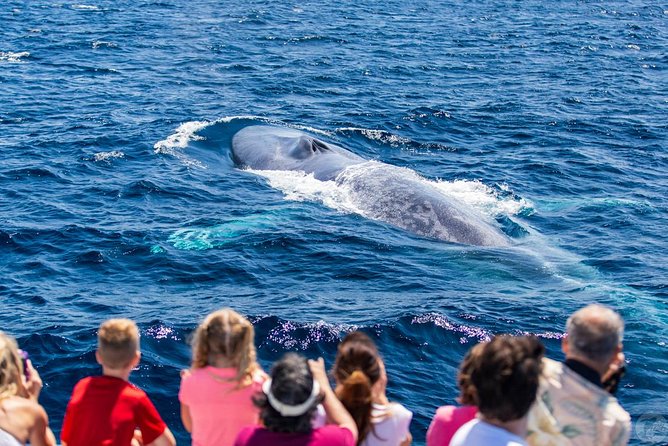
(355, 394)
(357, 368)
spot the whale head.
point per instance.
(276, 148)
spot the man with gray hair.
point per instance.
(574, 404)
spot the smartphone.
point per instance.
(24, 360)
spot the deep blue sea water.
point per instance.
(118, 196)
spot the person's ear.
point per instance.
(136, 359)
(98, 358)
(564, 344)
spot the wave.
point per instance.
(295, 335)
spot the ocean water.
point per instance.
(119, 197)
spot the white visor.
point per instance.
(288, 410)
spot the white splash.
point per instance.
(377, 135)
(181, 137)
(482, 197)
(174, 144)
(299, 186)
(12, 57)
(106, 156)
(103, 44)
(81, 7)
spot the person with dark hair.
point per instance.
(448, 419)
(575, 403)
(506, 379)
(288, 403)
(361, 380)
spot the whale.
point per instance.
(383, 192)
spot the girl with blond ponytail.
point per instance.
(360, 377)
(216, 391)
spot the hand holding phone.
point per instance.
(33, 382)
(24, 360)
(614, 375)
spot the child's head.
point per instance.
(118, 344)
(227, 335)
(11, 367)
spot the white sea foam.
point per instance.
(10, 56)
(174, 144)
(377, 135)
(103, 44)
(482, 197)
(182, 136)
(299, 186)
(106, 156)
(81, 7)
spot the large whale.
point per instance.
(380, 191)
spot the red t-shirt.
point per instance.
(329, 435)
(104, 411)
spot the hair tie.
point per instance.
(288, 410)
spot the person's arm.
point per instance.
(40, 434)
(186, 419)
(407, 441)
(333, 407)
(166, 439)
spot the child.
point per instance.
(105, 410)
(505, 378)
(288, 404)
(22, 419)
(216, 392)
(360, 377)
(448, 419)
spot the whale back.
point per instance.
(404, 199)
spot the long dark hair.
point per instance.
(356, 369)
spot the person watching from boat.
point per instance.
(22, 419)
(448, 419)
(575, 404)
(288, 403)
(506, 380)
(361, 383)
(216, 393)
(108, 409)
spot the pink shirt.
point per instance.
(446, 422)
(329, 435)
(218, 409)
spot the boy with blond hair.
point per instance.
(107, 409)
